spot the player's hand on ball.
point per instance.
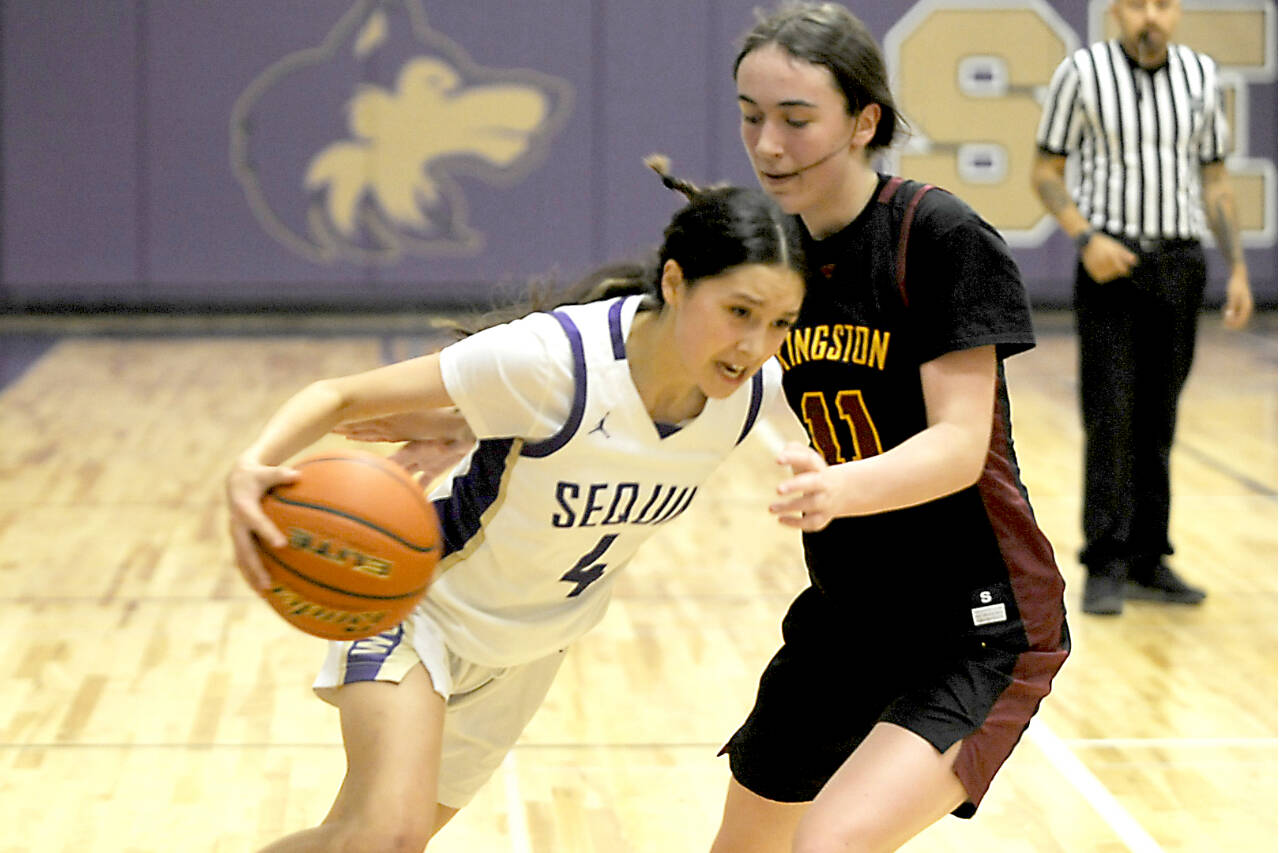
(245, 485)
(809, 497)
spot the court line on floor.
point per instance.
(1226, 469)
(1094, 792)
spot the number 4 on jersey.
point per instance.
(587, 571)
(852, 410)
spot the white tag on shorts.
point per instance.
(990, 613)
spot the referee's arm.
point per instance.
(1220, 210)
(1104, 259)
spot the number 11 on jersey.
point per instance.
(863, 440)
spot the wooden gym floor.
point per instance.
(148, 702)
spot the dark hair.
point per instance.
(829, 35)
(723, 227)
(719, 228)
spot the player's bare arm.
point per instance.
(1220, 210)
(445, 425)
(409, 386)
(1104, 258)
(434, 439)
(304, 419)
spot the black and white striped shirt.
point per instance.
(1141, 137)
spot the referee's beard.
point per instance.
(1150, 47)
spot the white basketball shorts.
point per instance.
(486, 707)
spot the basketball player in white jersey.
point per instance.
(597, 423)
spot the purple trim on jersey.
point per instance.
(665, 430)
(615, 330)
(472, 494)
(539, 449)
(366, 657)
(757, 397)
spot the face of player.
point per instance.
(1146, 26)
(726, 326)
(807, 151)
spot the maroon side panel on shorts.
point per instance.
(1038, 591)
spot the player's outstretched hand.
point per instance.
(809, 498)
(431, 457)
(246, 484)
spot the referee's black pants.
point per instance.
(1137, 339)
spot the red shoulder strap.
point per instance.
(886, 195)
(889, 190)
(902, 239)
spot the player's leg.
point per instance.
(1105, 324)
(803, 725)
(752, 824)
(894, 785)
(387, 802)
(489, 708)
(1176, 285)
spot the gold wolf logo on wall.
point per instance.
(340, 163)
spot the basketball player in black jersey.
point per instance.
(934, 621)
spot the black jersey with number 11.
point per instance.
(918, 274)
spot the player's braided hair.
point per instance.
(661, 164)
(722, 227)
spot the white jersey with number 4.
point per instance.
(536, 527)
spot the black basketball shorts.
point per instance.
(814, 706)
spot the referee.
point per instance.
(1142, 118)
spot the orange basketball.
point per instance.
(363, 542)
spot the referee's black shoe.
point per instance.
(1163, 585)
(1103, 594)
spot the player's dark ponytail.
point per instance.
(724, 227)
(718, 228)
(661, 164)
